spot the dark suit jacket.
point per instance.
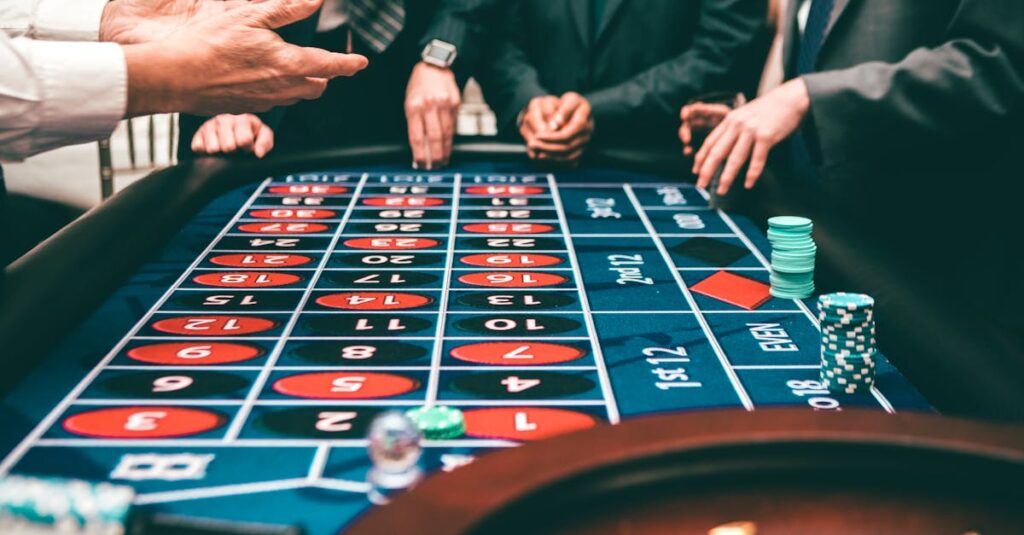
(915, 75)
(647, 59)
(917, 107)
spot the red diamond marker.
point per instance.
(733, 289)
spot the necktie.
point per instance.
(814, 35)
(376, 22)
(807, 62)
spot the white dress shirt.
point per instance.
(333, 14)
(56, 88)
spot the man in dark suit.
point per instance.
(618, 69)
(878, 84)
(902, 117)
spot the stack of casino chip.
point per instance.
(30, 505)
(438, 423)
(793, 252)
(847, 342)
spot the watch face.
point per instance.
(438, 53)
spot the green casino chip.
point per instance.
(790, 223)
(438, 423)
(53, 505)
(847, 301)
(792, 258)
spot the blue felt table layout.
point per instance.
(537, 304)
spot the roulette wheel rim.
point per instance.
(538, 487)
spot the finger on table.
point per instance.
(737, 159)
(702, 153)
(758, 161)
(417, 137)
(435, 133)
(716, 155)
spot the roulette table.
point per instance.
(220, 335)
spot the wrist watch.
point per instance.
(439, 54)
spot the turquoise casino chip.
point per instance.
(67, 505)
(790, 222)
(848, 301)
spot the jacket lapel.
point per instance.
(610, 10)
(790, 34)
(837, 12)
(581, 16)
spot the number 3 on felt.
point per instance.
(143, 421)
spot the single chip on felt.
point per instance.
(734, 289)
(711, 251)
(438, 423)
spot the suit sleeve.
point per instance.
(956, 90)
(726, 34)
(461, 23)
(508, 78)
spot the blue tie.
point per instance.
(814, 35)
(807, 62)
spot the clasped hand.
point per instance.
(557, 129)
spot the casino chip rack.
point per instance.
(536, 305)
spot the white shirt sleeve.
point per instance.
(56, 20)
(58, 93)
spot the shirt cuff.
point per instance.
(85, 88)
(69, 20)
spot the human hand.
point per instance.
(229, 133)
(432, 101)
(748, 133)
(232, 62)
(568, 131)
(535, 119)
(129, 22)
(698, 120)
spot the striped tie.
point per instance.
(376, 22)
